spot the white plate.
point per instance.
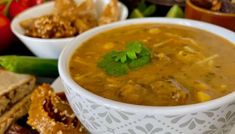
(58, 86)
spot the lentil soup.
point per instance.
(155, 65)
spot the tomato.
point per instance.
(27, 3)
(17, 7)
(5, 32)
(2, 7)
(36, 2)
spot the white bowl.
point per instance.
(50, 48)
(104, 116)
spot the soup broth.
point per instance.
(187, 66)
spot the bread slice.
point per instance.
(17, 111)
(14, 87)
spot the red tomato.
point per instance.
(5, 32)
(2, 7)
(25, 2)
(36, 2)
(17, 7)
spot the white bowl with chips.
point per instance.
(51, 48)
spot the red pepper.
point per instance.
(5, 32)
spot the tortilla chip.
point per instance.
(27, 24)
(66, 9)
(88, 9)
(85, 23)
(87, 5)
(110, 14)
(63, 5)
(86, 17)
(83, 16)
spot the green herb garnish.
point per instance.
(134, 48)
(118, 63)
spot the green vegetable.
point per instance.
(136, 14)
(142, 6)
(112, 67)
(134, 46)
(30, 65)
(121, 56)
(175, 12)
(144, 58)
(132, 49)
(149, 11)
(143, 10)
(118, 63)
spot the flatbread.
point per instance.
(17, 111)
(14, 87)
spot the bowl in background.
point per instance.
(50, 48)
(103, 116)
(226, 20)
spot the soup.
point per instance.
(155, 65)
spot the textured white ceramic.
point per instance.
(58, 87)
(104, 116)
(50, 48)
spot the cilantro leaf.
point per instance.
(131, 55)
(118, 63)
(143, 59)
(134, 48)
(121, 56)
(112, 67)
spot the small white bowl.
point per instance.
(50, 48)
(104, 116)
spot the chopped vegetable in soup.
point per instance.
(156, 65)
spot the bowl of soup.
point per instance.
(152, 75)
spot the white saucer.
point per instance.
(58, 86)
